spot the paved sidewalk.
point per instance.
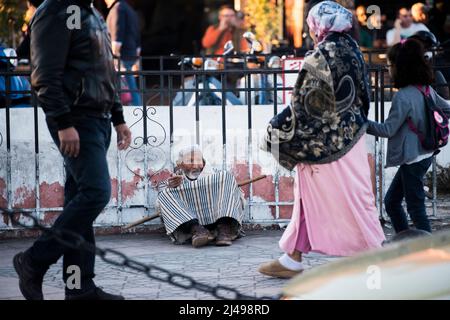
(234, 266)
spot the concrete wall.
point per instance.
(36, 181)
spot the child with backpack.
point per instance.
(417, 126)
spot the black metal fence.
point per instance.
(245, 80)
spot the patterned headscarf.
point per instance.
(329, 16)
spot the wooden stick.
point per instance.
(140, 221)
(156, 215)
(246, 182)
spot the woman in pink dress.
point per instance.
(322, 136)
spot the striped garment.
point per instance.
(207, 199)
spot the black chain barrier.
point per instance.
(75, 241)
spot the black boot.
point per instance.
(200, 236)
(224, 234)
(95, 294)
(30, 281)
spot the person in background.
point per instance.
(404, 27)
(308, 42)
(21, 96)
(240, 20)
(437, 20)
(380, 29)
(241, 26)
(365, 36)
(23, 50)
(123, 26)
(404, 147)
(350, 5)
(429, 42)
(446, 37)
(419, 13)
(228, 29)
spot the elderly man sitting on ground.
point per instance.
(199, 205)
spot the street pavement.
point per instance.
(235, 266)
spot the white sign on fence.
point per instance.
(289, 79)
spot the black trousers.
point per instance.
(87, 191)
(408, 184)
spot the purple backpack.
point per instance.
(437, 124)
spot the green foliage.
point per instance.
(264, 18)
(11, 19)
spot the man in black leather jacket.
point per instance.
(74, 79)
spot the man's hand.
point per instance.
(224, 25)
(174, 181)
(69, 142)
(123, 136)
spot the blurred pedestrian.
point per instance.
(23, 50)
(404, 27)
(437, 20)
(21, 96)
(365, 35)
(123, 26)
(229, 28)
(380, 28)
(354, 30)
(419, 13)
(430, 45)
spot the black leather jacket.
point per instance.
(72, 68)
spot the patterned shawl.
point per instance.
(328, 112)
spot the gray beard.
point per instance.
(191, 176)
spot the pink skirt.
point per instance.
(334, 209)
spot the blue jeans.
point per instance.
(86, 193)
(131, 81)
(408, 184)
